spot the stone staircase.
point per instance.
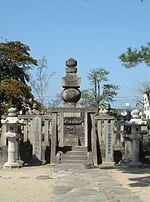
(78, 155)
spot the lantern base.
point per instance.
(11, 165)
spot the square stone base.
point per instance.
(108, 163)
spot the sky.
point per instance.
(94, 32)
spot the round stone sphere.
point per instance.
(71, 95)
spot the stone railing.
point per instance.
(34, 138)
(36, 131)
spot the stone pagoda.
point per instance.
(71, 84)
(73, 127)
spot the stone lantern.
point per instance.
(12, 122)
(135, 124)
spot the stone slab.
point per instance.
(75, 183)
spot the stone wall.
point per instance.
(34, 141)
(36, 136)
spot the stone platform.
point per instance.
(81, 183)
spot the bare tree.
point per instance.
(56, 102)
(142, 88)
(40, 80)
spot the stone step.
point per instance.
(78, 153)
(79, 148)
(71, 157)
(74, 161)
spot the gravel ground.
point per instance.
(27, 184)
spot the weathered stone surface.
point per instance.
(53, 139)
(71, 95)
(12, 134)
(43, 177)
(62, 189)
(71, 81)
(71, 62)
(75, 183)
(73, 135)
(37, 146)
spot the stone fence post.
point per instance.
(105, 128)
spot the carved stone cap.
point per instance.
(12, 111)
(71, 62)
(71, 66)
(136, 119)
(12, 117)
(135, 114)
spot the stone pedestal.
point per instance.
(135, 149)
(128, 150)
(11, 163)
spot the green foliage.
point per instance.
(99, 93)
(134, 57)
(109, 92)
(96, 76)
(88, 98)
(15, 60)
(14, 93)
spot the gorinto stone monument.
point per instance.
(76, 135)
(71, 84)
(73, 129)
